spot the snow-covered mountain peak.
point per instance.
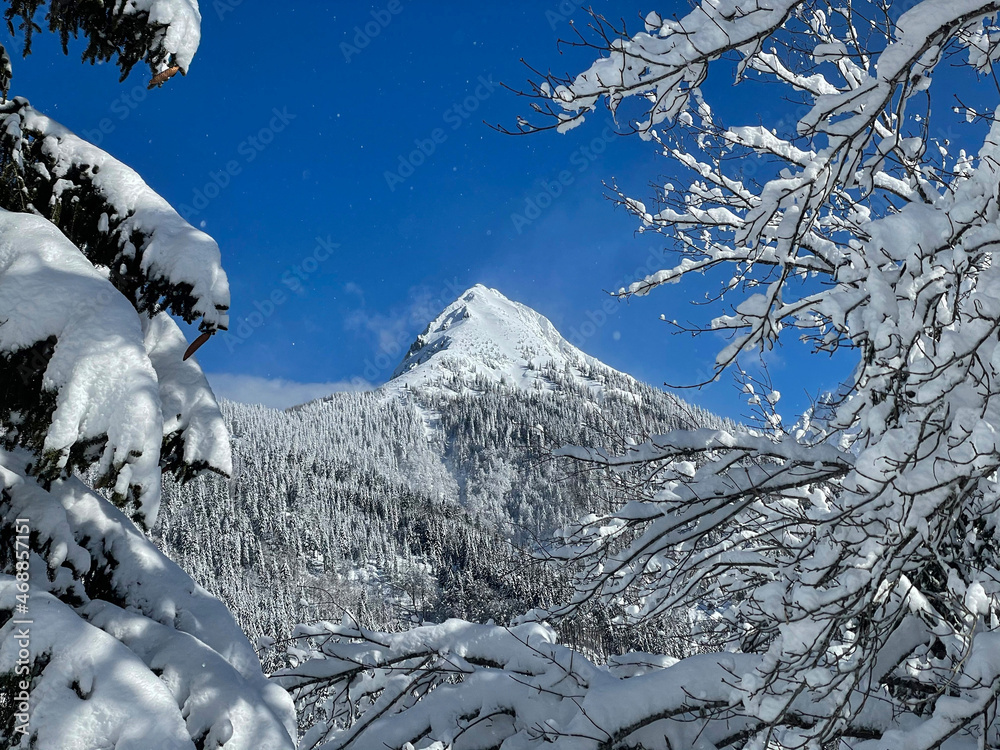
(485, 336)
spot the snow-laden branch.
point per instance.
(96, 336)
(666, 66)
(125, 647)
(111, 383)
(155, 257)
(843, 572)
(164, 34)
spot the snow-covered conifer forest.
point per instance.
(510, 544)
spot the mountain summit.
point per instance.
(485, 336)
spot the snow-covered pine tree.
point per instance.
(851, 563)
(105, 642)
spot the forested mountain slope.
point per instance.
(416, 500)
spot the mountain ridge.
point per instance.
(418, 499)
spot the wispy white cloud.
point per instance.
(389, 332)
(277, 393)
(393, 329)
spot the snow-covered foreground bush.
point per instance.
(849, 563)
(103, 641)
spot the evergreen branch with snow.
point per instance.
(103, 641)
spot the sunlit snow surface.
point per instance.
(130, 652)
(485, 336)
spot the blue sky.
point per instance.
(355, 191)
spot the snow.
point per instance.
(158, 660)
(511, 687)
(190, 409)
(681, 60)
(182, 20)
(115, 646)
(116, 377)
(122, 701)
(173, 252)
(107, 376)
(484, 335)
(99, 371)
